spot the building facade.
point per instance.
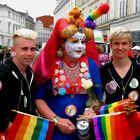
(129, 17)
(124, 13)
(44, 27)
(62, 8)
(10, 21)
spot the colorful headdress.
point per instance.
(102, 9)
(74, 23)
(64, 28)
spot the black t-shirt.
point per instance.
(117, 88)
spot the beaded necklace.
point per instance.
(71, 72)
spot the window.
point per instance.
(8, 42)
(0, 25)
(8, 14)
(107, 15)
(137, 5)
(136, 37)
(123, 8)
(13, 16)
(9, 25)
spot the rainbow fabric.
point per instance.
(112, 124)
(28, 127)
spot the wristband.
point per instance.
(56, 119)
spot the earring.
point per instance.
(13, 54)
(60, 52)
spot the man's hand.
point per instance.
(66, 126)
(2, 136)
(130, 107)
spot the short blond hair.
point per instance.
(120, 32)
(25, 33)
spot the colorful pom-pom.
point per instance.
(102, 9)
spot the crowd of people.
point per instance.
(66, 83)
(4, 55)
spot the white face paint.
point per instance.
(75, 45)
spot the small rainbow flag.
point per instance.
(29, 127)
(112, 126)
(112, 123)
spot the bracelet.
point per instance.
(56, 119)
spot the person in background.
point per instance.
(2, 54)
(99, 48)
(103, 56)
(8, 56)
(136, 51)
(121, 76)
(100, 52)
(67, 62)
(1, 57)
(17, 79)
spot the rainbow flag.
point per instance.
(112, 124)
(29, 127)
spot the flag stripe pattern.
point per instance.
(112, 124)
(28, 127)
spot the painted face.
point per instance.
(75, 45)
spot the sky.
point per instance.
(35, 8)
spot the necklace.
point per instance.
(71, 72)
(124, 86)
(27, 100)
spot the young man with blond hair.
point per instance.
(17, 79)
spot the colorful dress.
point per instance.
(65, 96)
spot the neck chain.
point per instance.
(121, 83)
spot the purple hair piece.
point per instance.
(90, 24)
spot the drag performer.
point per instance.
(68, 60)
